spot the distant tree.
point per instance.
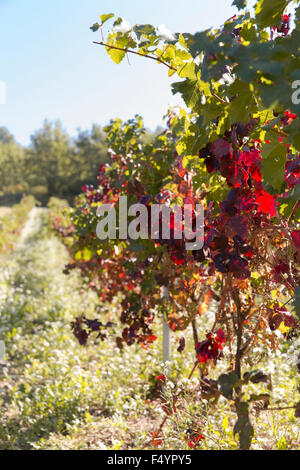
(5, 136)
(50, 158)
(61, 164)
(12, 164)
(90, 153)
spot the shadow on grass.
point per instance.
(19, 435)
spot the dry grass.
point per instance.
(4, 211)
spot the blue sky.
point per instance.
(52, 70)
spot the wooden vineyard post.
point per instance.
(166, 342)
(166, 330)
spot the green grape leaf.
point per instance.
(227, 382)
(268, 12)
(296, 302)
(293, 131)
(273, 164)
(105, 18)
(249, 32)
(240, 4)
(95, 27)
(188, 89)
(242, 104)
(188, 70)
(143, 30)
(121, 41)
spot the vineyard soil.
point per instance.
(55, 394)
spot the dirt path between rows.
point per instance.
(32, 227)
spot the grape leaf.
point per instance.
(105, 18)
(296, 302)
(95, 27)
(227, 383)
(240, 4)
(268, 12)
(273, 164)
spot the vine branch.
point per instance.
(157, 59)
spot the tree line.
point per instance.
(54, 164)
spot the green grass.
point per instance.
(11, 222)
(49, 383)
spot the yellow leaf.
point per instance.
(255, 275)
(282, 328)
(225, 423)
(274, 294)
